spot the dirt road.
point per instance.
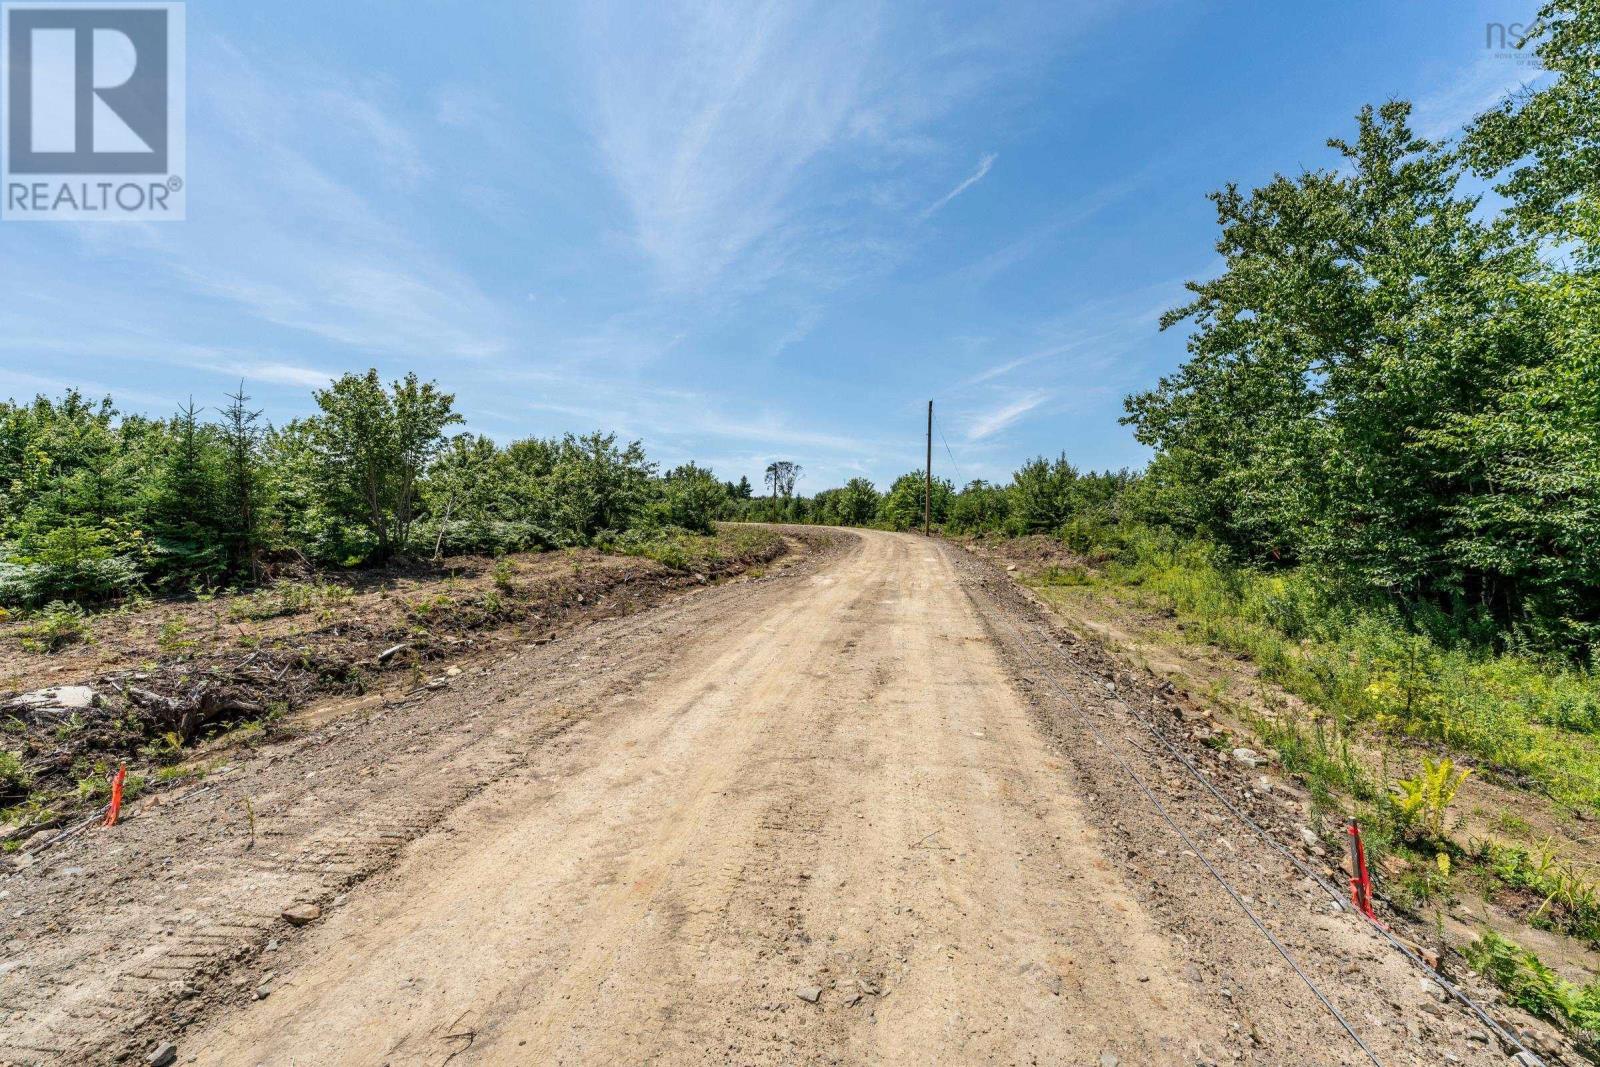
(831, 816)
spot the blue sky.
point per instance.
(739, 234)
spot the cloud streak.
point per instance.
(709, 120)
(972, 179)
(993, 421)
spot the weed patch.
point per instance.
(58, 625)
(1538, 990)
(1533, 720)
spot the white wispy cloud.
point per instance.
(708, 117)
(295, 240)
(786, 139)
(134, 344)
(1039, 237)
(991, 422)
(1466, 94)
(396, 148)
(287, 374)
(967, 183)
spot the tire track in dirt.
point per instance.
(642, 843)
(113, 936)
(743, 827)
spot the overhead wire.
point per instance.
(962, 478)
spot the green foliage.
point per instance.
(288, 598)
(371, 448)
(1358, 659)
(1544, 146)
(1569, 899)
(72, 561)
(902, 506)
(1064, 576)
(171, 638)
(1535, 988)
(1387, 385)
(980, 508)
(96, 506)
(691, 498)
(1042, 496)
(14, 778)
(58, 625)
(684, 551)
(1421, 802)
(857, 503)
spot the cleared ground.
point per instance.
(848, 813)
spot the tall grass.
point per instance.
(1533, 719)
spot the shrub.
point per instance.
(1535, 988)
(288, 598)
(1420, 803)
(59, 625)
(71, 563)
(14, 778)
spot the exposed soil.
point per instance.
(171, 672)
(1030, 554)
(848, 812)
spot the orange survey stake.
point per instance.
(116, 794)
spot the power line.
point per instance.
(952, 455)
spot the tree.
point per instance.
(781, 477)
(980, 508)
(597, 488)
(1042, 494)
(184, 506)
(1368, 385)
(373, 446)
(242, 483)
(692, 498)
(857, 503)
(467, 497)
(1543, 146)
(901, 507)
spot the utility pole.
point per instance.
(927, 475)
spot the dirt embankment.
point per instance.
(1214, 700)
(144, 685)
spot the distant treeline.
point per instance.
(1044, 496)
(95, 504)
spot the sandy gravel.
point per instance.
(834, 815)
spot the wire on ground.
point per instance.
(1209, 866)
(1524, 1054)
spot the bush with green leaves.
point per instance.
(96, 505)
(1534, 987)
(14, 778)
(902, 506)
(690, 498)
(59, 624)
(72, 562)
(979, 508)
(1400, 387)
